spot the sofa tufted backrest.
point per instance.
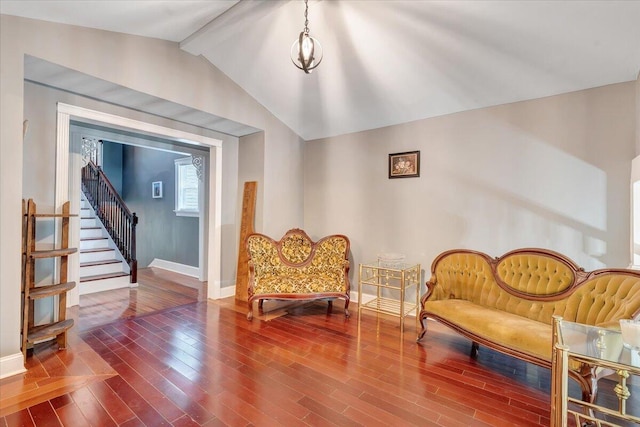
(295, 246)
(534, 273)
(603, 298)
(462, 275)
(297, 253)
(537, 284)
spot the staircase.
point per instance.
(102, 267)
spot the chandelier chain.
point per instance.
(306, 19)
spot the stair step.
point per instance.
(102, 276)
(89, 222)
(47, 331)
(91, 232)
(97, 254)
(90, 251)
(50, 290)
(105, 262)
(94, 243)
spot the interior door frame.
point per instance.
(67, 179)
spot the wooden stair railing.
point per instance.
(116, 217)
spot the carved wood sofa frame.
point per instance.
(507, 303)
(296, 267)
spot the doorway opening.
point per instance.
(68, 165)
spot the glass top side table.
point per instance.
(604, 351)
(386, 279)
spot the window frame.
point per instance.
(178, 163)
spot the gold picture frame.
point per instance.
(404, 165)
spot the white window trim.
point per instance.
(186, 212)
(635, 213)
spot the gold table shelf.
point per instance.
(602, 349)
(387, 279)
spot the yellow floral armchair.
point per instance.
(295, 267)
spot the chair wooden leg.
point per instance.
(474, 350)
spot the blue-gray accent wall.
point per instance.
(160, 233)
(112, 163)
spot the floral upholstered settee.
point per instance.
(295, 267)
(508, 303)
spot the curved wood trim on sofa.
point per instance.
(300, 297)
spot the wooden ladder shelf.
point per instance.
(32, 333)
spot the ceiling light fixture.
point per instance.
(306, 52)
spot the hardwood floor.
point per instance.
(157, 290)
(203, 363)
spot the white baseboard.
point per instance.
(106, 285)
(187, 270)
(227, 291)
(365, 297)
(12, 365)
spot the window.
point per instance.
(187, 188)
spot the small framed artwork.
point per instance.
(156, 189)
(404, 165)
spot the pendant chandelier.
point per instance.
(306, 52)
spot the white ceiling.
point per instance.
(385, 62)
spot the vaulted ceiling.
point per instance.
(385, 62)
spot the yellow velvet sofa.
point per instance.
(507, 303)
(295, 267)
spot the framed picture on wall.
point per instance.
(404, 165)
(156, 190)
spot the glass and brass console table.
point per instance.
(387, 280)
(604, 350)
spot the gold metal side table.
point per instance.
(388, 280)
(603, 349)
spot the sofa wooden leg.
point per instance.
(250, 312)
(423, 331)
(330, 306)
(346, 308)
(474, 350)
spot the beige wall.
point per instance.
(552, 173)
(151, 66)
(638, 115)
(251, 168)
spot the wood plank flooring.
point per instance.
(157, 290)
(203, 364)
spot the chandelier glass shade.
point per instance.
(306, 52)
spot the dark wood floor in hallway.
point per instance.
(157, 290)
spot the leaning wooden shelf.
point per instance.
(30, 292)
